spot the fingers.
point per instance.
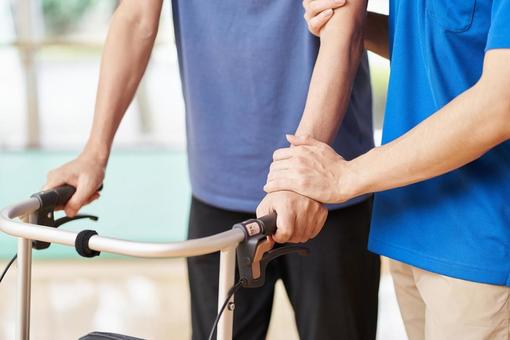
(316, 23)
(301, 230)
(318, 13)
(280, 184)
(302, 140)
(85, 191)
(299, 218)
(315, 7)
(285, 216)
(294, 152)
(93, 198)
(321, 216)
(284, 153)
(56, 179)
(284, 226)
(263, 208)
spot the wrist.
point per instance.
(356, 182)
(96, 152)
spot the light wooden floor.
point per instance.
(148, 299)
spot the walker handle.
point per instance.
(262, 226)
(56, 197)
(268, 224)
(64, 194)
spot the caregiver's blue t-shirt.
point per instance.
(245, 69)
(457, 224)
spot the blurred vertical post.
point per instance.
(144, 107)
(26, 19)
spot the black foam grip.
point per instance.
(81, 244)
(66, 191)
(269, 223)
(57, 197)
(64, 194)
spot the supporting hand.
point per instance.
(310, 168)
(318, 13)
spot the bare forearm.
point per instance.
(125, 57)
(376, 34)
(335, 69)
(459, 133)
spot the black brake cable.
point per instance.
(231, 292)
(8, 266)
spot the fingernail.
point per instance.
(327, 13)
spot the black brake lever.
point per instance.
(39, 245)
(256, 250)
(49, 201)
(66, 219)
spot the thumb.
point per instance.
(55, 179)
(51, 183)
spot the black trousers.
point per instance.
(333, 290)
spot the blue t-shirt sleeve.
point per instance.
(499, 32)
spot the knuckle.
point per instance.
(301, 181)
(276, 154)
(314, 6)
(51, 174)
(282, 237)
(72, 207)
(286, 232)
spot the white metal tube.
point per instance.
(226, 281)
(24, 264)
(187, 248)
(226, 242)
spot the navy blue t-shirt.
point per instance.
(457, 224)
(245, 70)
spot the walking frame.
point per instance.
(32, 222)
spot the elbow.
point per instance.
(494, 86)
(147, 30)
(498, 103)
(505, 115)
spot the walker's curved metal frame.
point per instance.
(18, 221)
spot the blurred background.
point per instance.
(49, 65)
